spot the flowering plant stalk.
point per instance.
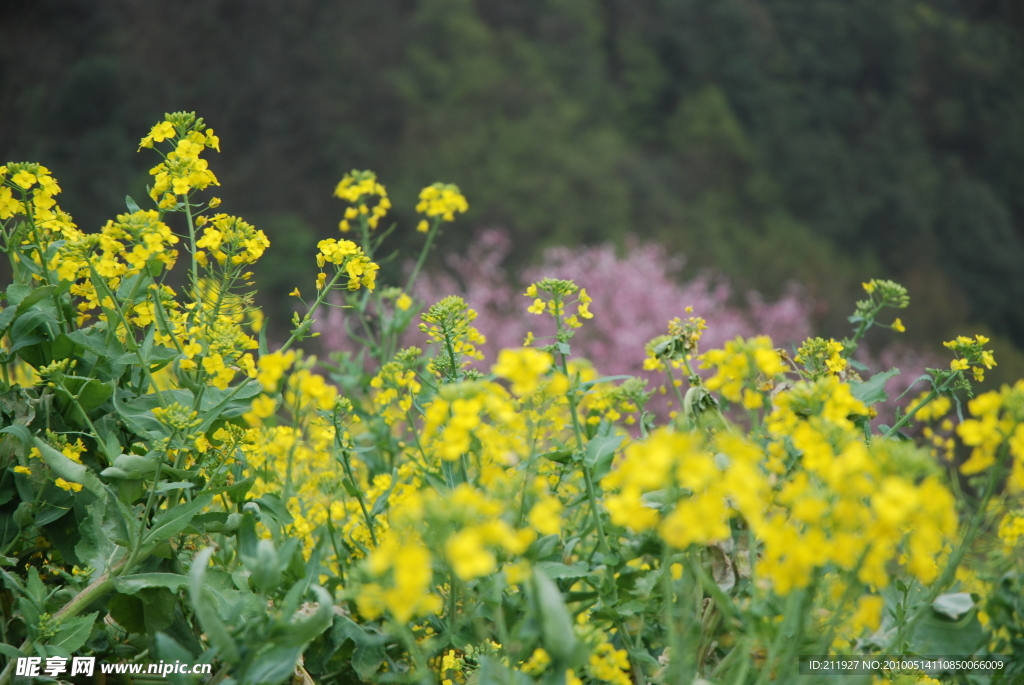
(171, 488)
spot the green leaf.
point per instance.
(227, 404)
(56, 503)
(559, 571)
(369, 647)
(69, 470)
(382, 500)
(560, 456)
(131, 204)
(215, 630)
(23, 333)
(600, 451)
(74, 632)
(11, 313)
(129, 585)
(300, 633)
(263, 350)
(555, 622)
(271, 667)
(134, 466)
(217, 522)
(953, 605)
(96, 547)
(175, 520)
(23, 434)
(16, 292)
(936, 634)
(129, 612)
(873, 390)
(34, 586)
(264, 568)
(587, 385)
(137, 415)
(91, 393)
(167, 486)
(493, 672)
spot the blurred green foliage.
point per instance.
(825, 141)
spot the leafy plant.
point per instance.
(171, 489)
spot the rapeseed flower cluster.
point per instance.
(679, 346)
(448, 324)
(820, 357)
(971, 354)
(182, 170)
(739, 361)
(349, 259)
(995, 432)
(358, 188)
(440, 202)
(229, 239)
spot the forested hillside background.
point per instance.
(821, 141)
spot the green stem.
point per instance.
(129, 337)
(137, 547)
(359, 496)
(675, 388)
(192, 245)
(675, 651)
(851, 589)
(862, 329)
(932, 394)
(423, 254)
(307, 320)
(587, 476)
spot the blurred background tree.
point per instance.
(822, 141)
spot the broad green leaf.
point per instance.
(599, 454)
(587, 385)
(227, 404)
(129, 585)
(135, 466)
(217, 522)
(936, 634)
(264, 568)
(216, 631)
(953, 605)
(369, 647)
(174, 520)
(559, 571)
(99, 530)
(299, 633)
(35, 587)
(73, 632)
(139, 417)
(560, 456)
(872, 390)
(10, 313)
(69, 470)
(555, 623)
(271, 667)
(22, 433)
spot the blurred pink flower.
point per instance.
(635, 295)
